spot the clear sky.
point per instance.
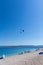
(21, 14)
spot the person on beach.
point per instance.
(3, 56)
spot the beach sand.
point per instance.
(32, 58)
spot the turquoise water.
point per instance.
(10, 50)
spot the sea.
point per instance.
(13, 50)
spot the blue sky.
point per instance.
(21, 14)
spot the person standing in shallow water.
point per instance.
(3, 56)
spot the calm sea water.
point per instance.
(10, 50)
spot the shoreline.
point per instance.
(23, 59)
(21, 53)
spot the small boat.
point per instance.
(40, 52)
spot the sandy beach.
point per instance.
(32, 58)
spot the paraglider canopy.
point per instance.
(21, 30)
